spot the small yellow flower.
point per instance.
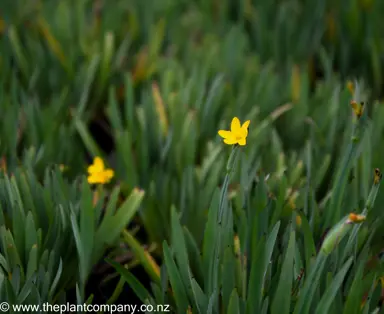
(238, 133)
(97, 172)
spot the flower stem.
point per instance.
(229, 171)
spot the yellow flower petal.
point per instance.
(241, 133)
(94, 178)
(242, 141)
(238, 133)
(97, 166)
(225, 134)
(98, 173)
(230, 140)
(99, 163)
(108, 174)
(244, 128)
(246, 124)
(235, 125)
(92, 169)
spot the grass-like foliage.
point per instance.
(205, 156)
(253, 260)
(52, 233)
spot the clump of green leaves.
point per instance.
(160, 80)
(53, 233)
(260, 256)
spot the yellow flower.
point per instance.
(238, 133)
(97, 172)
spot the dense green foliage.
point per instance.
(146, 85)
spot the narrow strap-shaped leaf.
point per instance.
(311, 284)
(233, 304)
(194, 255)
(135, 284)
(145, 259)
(200, 297)
(328, 297)
(178, 289)
(87, 227)
(260, 263)
(56, 279)
(26, 290)
(228, 277)
(309, 244)
(282, 299)
(180, 251)
(209, 241)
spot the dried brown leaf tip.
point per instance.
(378, 176)
(356, 218)
(350, 87)
(358, 108)
(3, 164)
